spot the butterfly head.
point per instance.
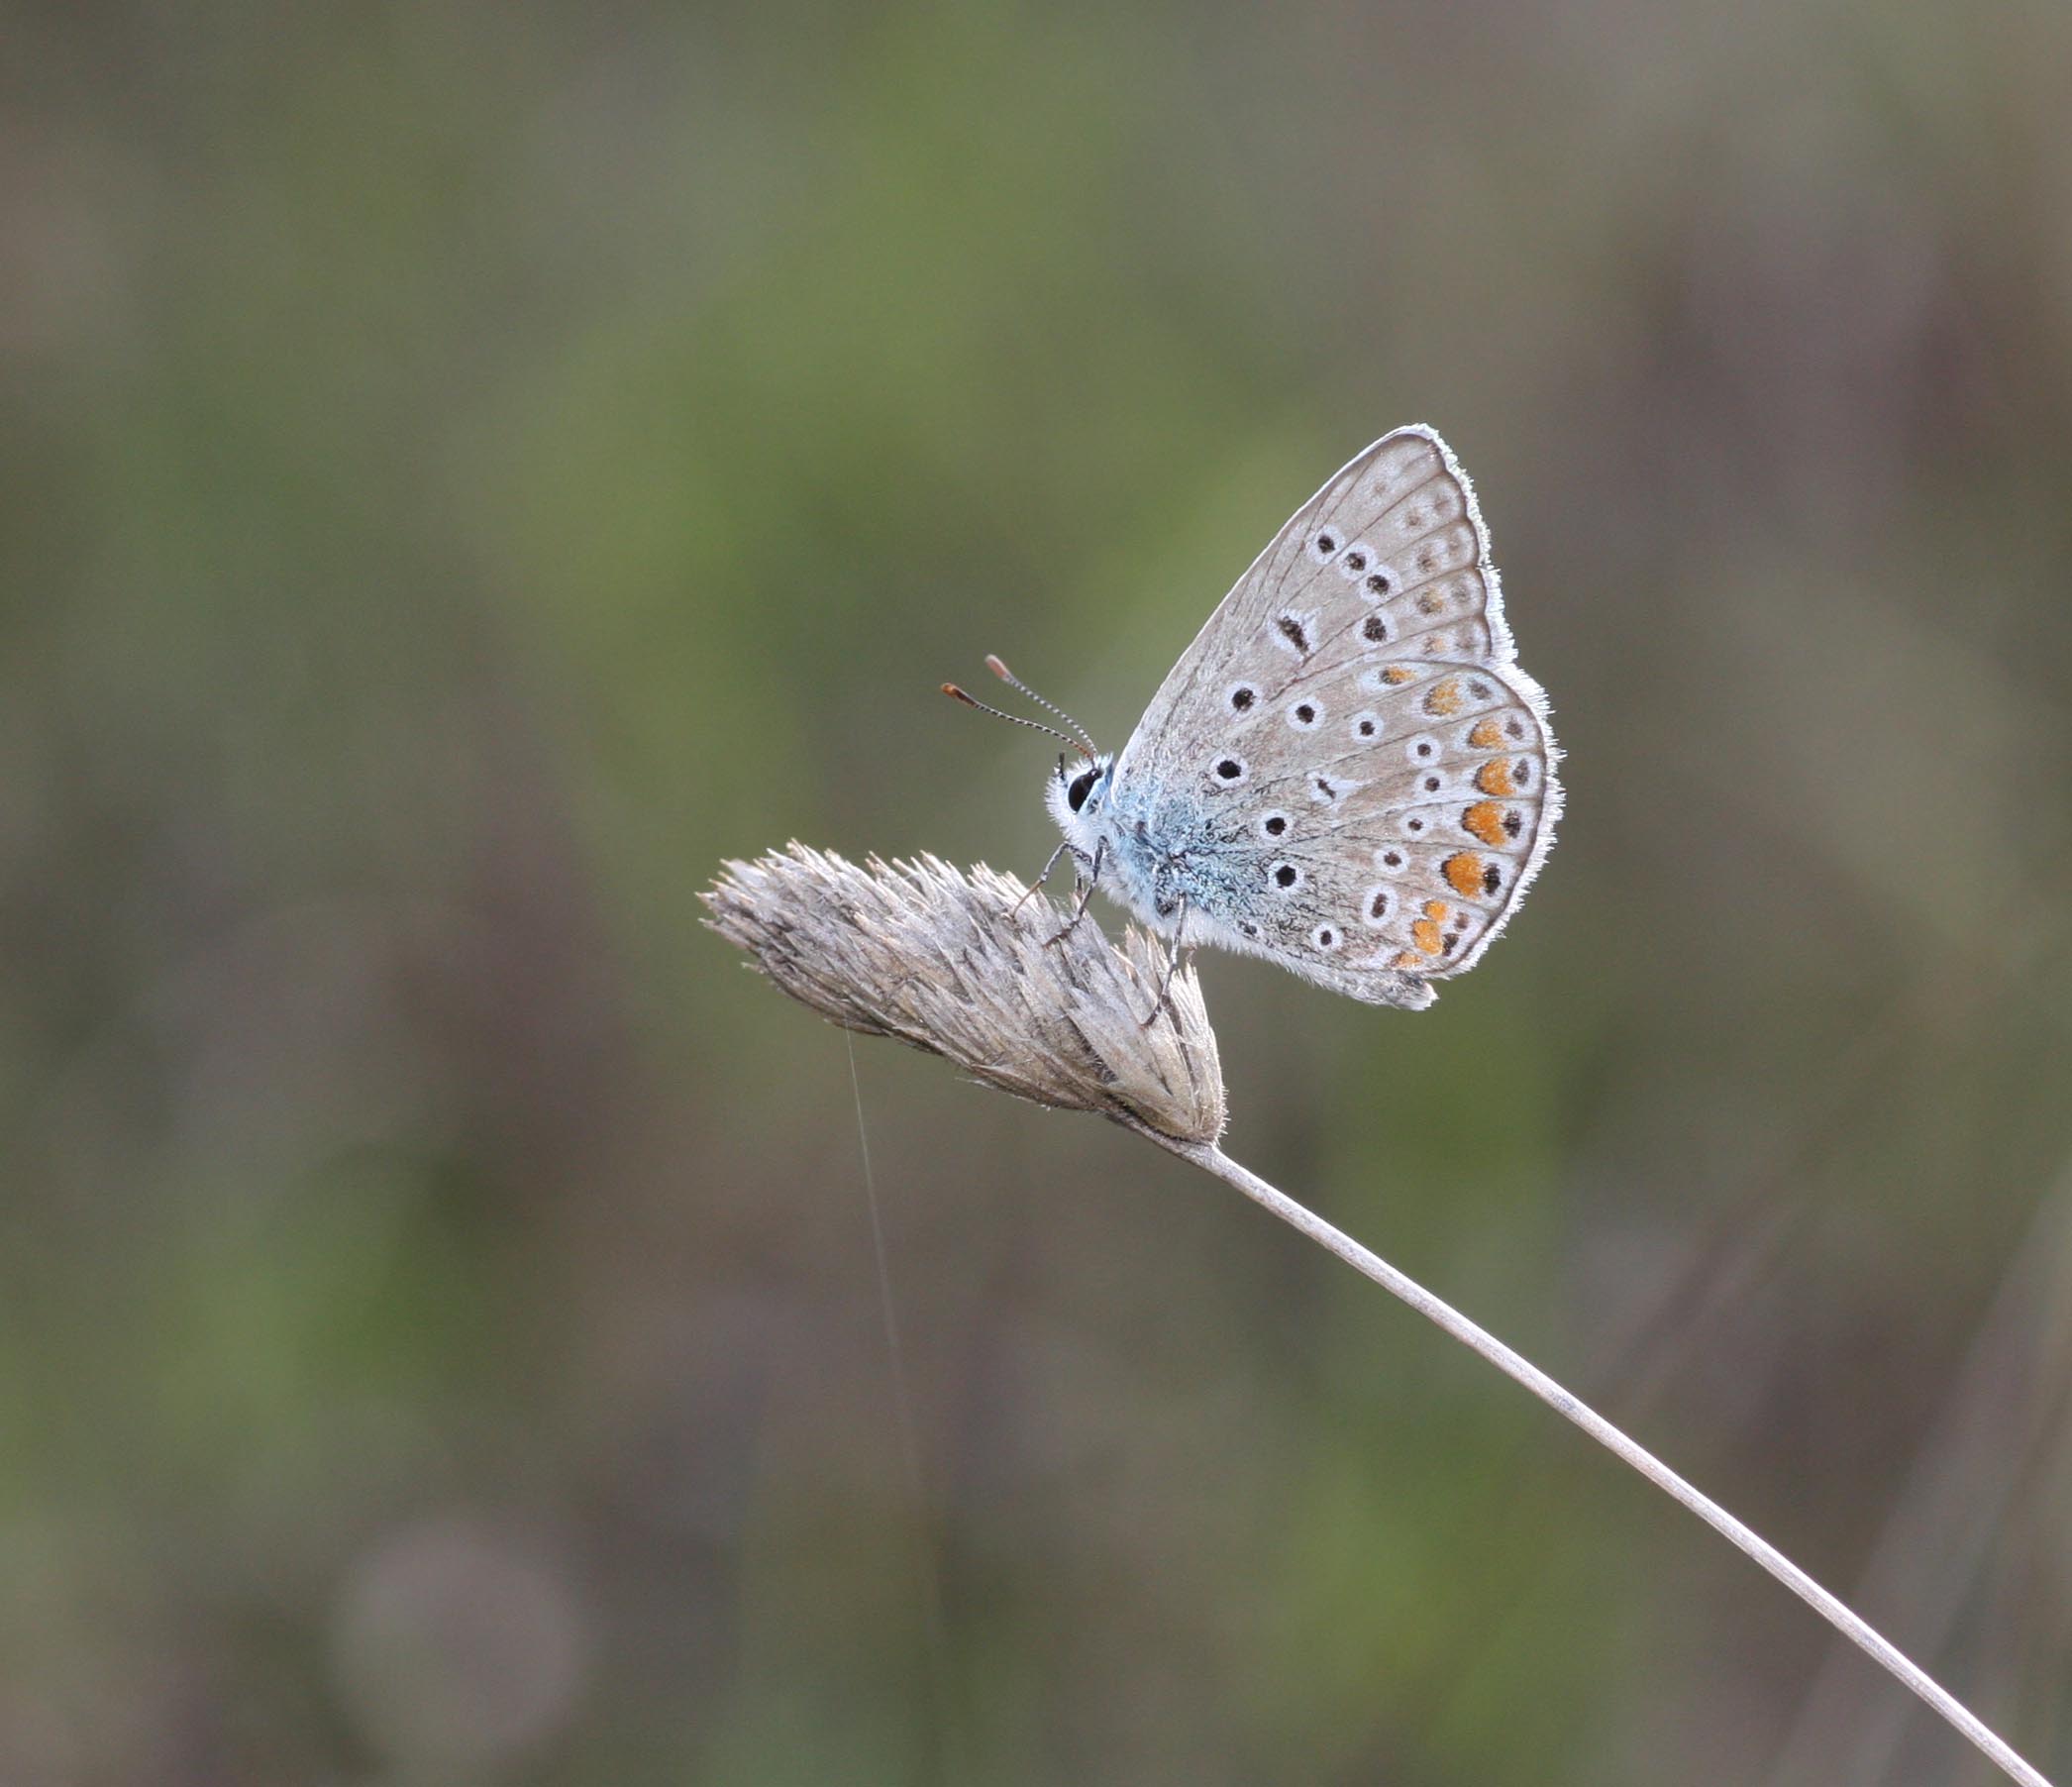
(1077, 788)
(1076, 793)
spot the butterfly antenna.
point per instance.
(1007, 677)
(957, 695)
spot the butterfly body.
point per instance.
(1346, 772)
(1171, 856)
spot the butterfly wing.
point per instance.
(1353, 728)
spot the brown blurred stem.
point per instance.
(1211, 1159)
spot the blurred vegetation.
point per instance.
(474, 468)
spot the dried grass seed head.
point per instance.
(962, 966)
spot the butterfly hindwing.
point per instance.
(1353, 716)
(1417, 815)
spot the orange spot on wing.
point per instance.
(1397, 674)
(1445, 698)
(1463, 872)
(1487, 736)
(1494, 777)
(1435, 910)
(1485, 819)
(1406, 960)
(1425, 934)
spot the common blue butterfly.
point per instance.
(1346, 772)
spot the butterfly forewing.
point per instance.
(1389, 552)
(1353, 716)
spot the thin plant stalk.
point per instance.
(1211, 1159)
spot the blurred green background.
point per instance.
(471, 469)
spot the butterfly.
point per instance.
(1346, 772)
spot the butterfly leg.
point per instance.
(1030, 891)
(1173, 951)
(1083, 885)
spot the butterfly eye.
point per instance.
(1082, 786)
